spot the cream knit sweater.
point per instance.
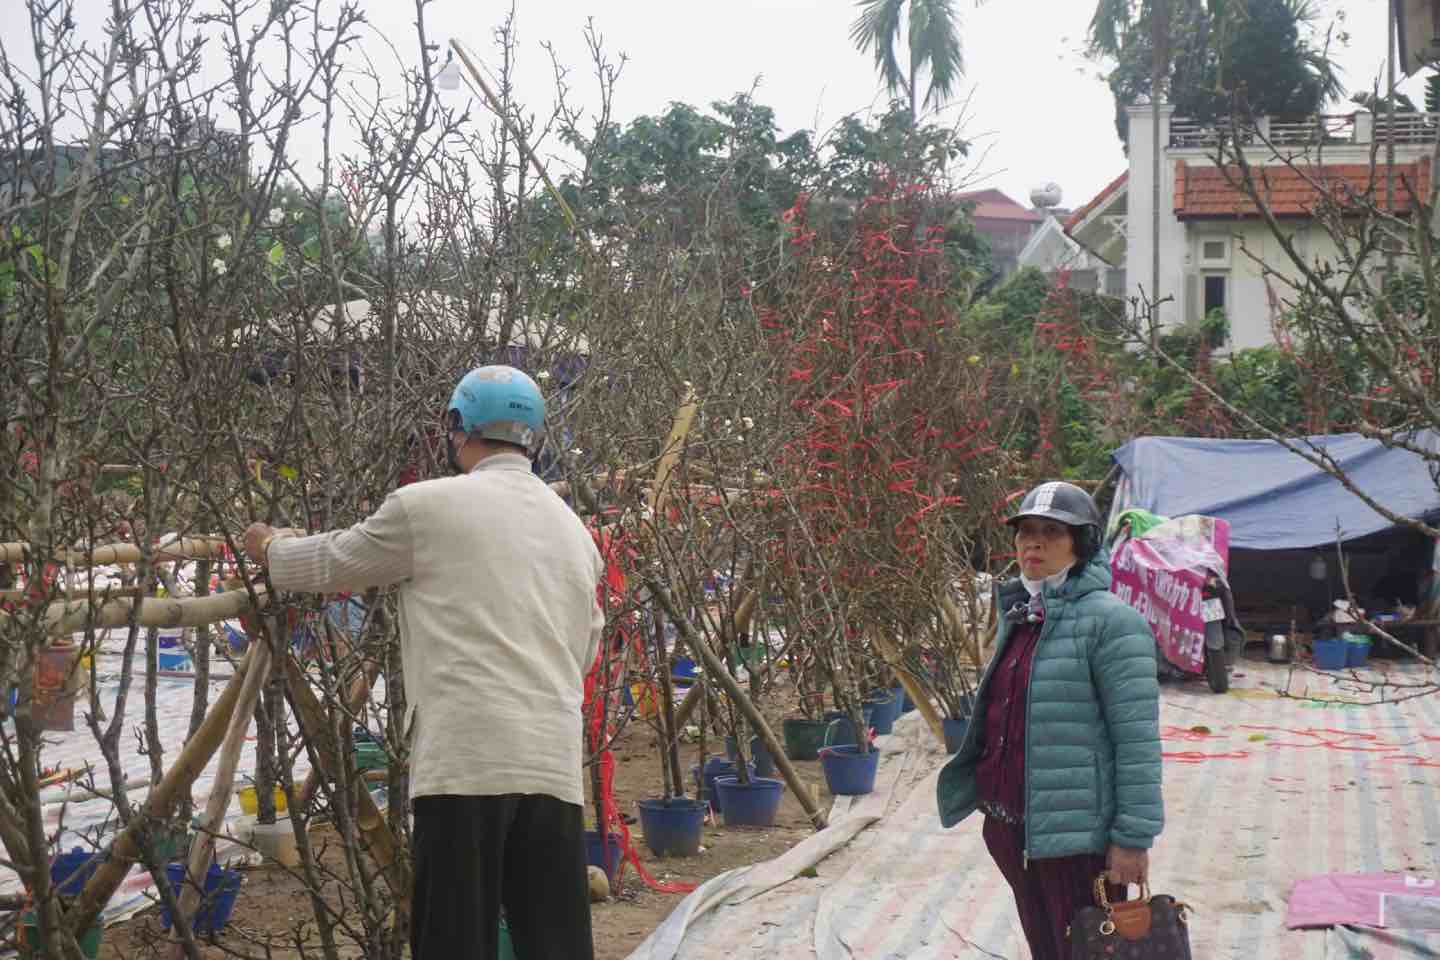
(499, 623)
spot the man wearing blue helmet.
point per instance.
(499, 623)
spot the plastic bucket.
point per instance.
(732, 748)
(32, 940)
(51, 711)
(764, 763)
(1357, 649)
(672, 827)
(606, 856)
(954, 728)
(882, 709)
(69, 872)
(803, 738)
(1330, 654)
(752, 804)
(715, 766)
(506, 949)
(221, 888)
(250, 801)
(848, 772)
(683, 669)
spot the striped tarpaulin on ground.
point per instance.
(1260, 789)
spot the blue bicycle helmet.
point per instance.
(498, 403)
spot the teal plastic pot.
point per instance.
(803, 738)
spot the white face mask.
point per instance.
(1036, 587)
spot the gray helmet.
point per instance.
(1060, 501)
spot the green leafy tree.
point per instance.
(932, 33)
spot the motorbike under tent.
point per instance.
(1289, 524)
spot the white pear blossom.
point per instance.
(223, 241)
(276, 216)
(218, 266)
(542, 375)
(747, 423)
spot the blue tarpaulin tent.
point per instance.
(1274, 499)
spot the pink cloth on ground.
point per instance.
(1395, 900)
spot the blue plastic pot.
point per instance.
(764, 763)
(716, 766)
(848, 772)
(803, 738)
(221, 888)
(882, 709)
(732, 748)
(955, 728)
(683, 669)
(1331, 654)
(672, 827)
(69, 872)
(752, 804)
(1357, 649)
(606, 856)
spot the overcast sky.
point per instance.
(1037, 108)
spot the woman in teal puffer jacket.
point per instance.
(1063, 751)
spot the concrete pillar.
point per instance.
(1139, 245)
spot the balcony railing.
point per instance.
(1355, 129)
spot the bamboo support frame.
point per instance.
(68, 616)
(160, 803)
(186, 548)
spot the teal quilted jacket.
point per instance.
(1092, 743)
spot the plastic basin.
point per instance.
(606, 856)
(752, 804)
(217, 903)
(1331, 654)
(672, 827)
(882, 709)
(250, 801)
(848, 772)
(716, 766)
(69, 872)
(764, 763)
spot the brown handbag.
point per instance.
(1151, 928)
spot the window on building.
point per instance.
(1214, 250)
(1214, 293)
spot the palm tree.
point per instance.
(933, 34)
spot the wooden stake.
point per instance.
(670, 455)
(379, 841)
(892, 656)
(187, 548)
(204, 849)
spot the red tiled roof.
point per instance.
(1204, 192)
(1079, 215)
(994, 205)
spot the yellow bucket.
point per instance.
(644, 700)
(250, 800)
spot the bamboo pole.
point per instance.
(379, 841)
(186, 548)
(354, 699)
(68, 616)
(204, 849)
(160, 803)
(670, 455)
(714, 667)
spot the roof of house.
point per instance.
(1079, 216)
(1203, 192)
(994, 205)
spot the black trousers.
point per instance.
(475, 854)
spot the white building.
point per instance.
(1215, 250)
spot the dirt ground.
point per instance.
(274, 903)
